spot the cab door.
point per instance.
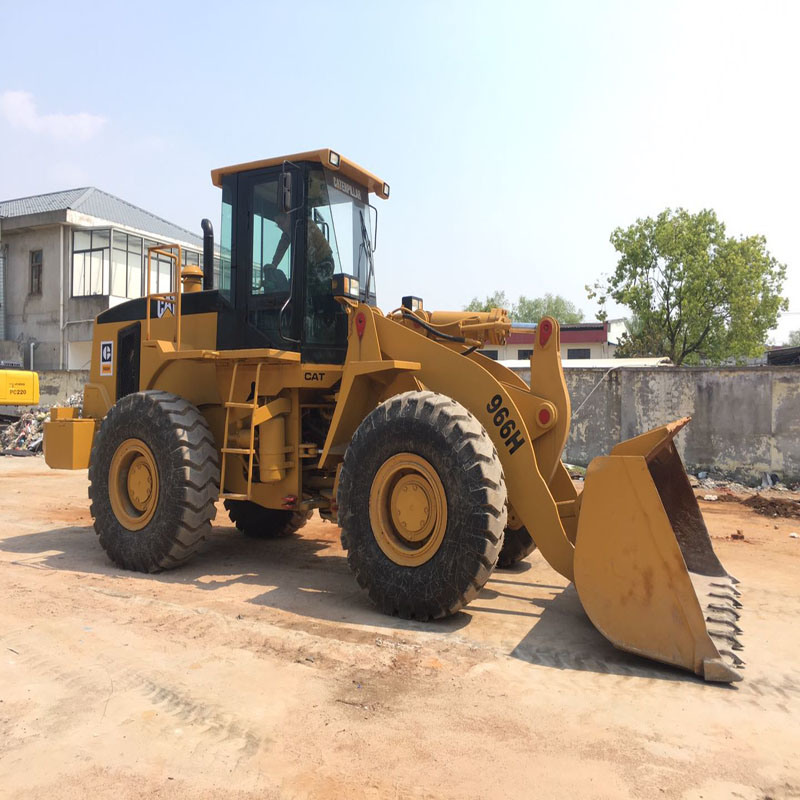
(268, 288)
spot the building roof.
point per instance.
(571, 333)
(583, 326)
(595, 363)
(97, 203)
(783, 356)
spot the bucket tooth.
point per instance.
(719, 621)
(724, 636)
(737, 662)
(727, 585)
(719, 609)
(730, 598)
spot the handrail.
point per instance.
(174, 295)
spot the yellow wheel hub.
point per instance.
(133, 484)
(514, 523)
(408, 509)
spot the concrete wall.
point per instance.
(745, 420)
(10, 351)
(30, 317)
(57, 385)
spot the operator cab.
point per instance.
(288, 226)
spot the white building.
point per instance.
(67, 256)
(582, 340)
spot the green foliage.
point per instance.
(794, 339)
(495, 300)
(529, 309)
(694, 291)
(548, 306)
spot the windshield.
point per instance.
(339, 209)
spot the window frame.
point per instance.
(36, 269)
(130, 262)
(105, 262)
(573, 353)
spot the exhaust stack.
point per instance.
(208, 253)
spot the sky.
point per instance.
(516, 136)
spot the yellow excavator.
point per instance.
(18, 387)
(272, 381)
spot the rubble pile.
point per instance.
(26, 435)
(769, 482)
(774, 507)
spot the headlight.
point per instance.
(345, 286)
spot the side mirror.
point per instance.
(285, 191)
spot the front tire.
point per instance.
(153, 481)
(422, 505)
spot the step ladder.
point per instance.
(248, 451)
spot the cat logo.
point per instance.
(107, 359)
(314, 376)
(165, 308)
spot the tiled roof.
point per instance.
(98, 203)
(581, 326)
(41, 203)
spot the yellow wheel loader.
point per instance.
(272, 381)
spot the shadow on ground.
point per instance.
(297, 576)
(294, 573)
(564, 638)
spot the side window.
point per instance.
(272, 249)
(36, 272)
(579, 352)
(226, 239)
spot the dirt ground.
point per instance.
(261, 671)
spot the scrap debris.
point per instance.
(25, 436)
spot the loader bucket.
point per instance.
(645, 569)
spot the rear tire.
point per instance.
(153, 481)
(265, 523)
(517, 544)
(422, 505)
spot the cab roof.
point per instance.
(330, 159)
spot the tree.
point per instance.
(548, 306)
(694, 291)
(794, 339)
(495, 300)
(529, 309)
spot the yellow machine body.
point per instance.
(68, 439)
(633, 541)
(19, 387)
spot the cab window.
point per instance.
(272, 250)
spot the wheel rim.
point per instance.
(133, 484)
(408, 509)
